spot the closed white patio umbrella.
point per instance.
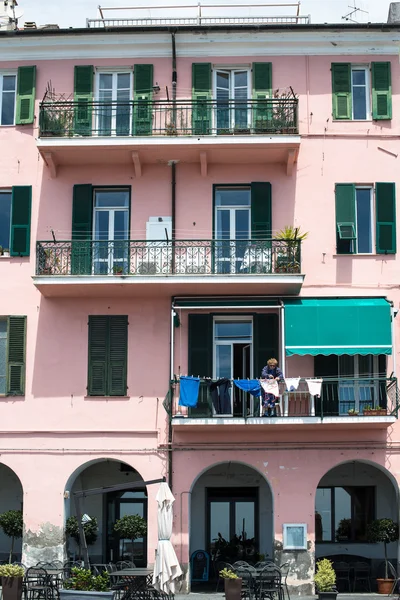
(167, 568)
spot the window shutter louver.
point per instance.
(117, 366)
(385, 218)
(98, 352)
(341, 91)
(261, 211)
(266, 340)
(143, 95)
(16, 359)
(262, 91)
(26, 91)
(201, 96)
(21, 204)
(345, 217)
(82, 218)
(200, 362)
(381, 91)
(83, 97)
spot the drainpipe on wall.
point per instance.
(174, 79)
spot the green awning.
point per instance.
(337, 326)
(225, 302)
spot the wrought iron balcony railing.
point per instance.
(164, 118)
(340, 397)
(161, 258)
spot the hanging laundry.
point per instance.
(220, 396)
(314, 386)
(189, 391)
(249, 385)
(270, 386)
(292, 383)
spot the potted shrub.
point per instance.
(6, 251)
(352, 412)
(11, 581)
(12, 524)
(232, 583)
(83, 585)
(378, 411)
(383, 531)
(288, 256)
(131, 527)
(118, 270)
(325, 580)
(90, 528)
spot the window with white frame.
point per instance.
(360, 91)
(8, 90)
(5, 219)
(232, 85)
(356, 236)
(114, 92)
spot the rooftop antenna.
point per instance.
(353, 13)
(9, 15)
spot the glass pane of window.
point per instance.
(323, 515)
(233, 197)
(7, 108)
(123, 81)
(121, 225)
(223, 361)
(3, 350)
(244, 518)
(242, 224)
(105, 81)
(364, 220)
(363, 510)
(223, 81)
(132, 494)
(342, 499)
(219, 521)
(240, 79)
(9, 83)
(359, 102)
(111, 198)
(223, 225)
(358, 76)
(237, 330)
(5, 219)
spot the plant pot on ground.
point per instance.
(232, 584)
(82, 585)
(11, 581)
(325, 580)
(384, 531)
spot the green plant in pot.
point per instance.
(131, 527)
(11, 581)
(325, 580)
(12, 523)
(288, 258)
(83, 585)
(90, 529)
(383, 531)
(232, 583)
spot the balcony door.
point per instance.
(111, 232)
(232, 92)
(232, 232)
(114, 93)
(363, 389)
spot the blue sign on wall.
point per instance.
(199, 565)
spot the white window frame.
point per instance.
(344, 380)
(7, 191)
(373, 220)
(231, 70)
(2, 74)
(368, 90)
(286, 527)
(232, 208)
(111, 210)
(112, 71)
(219, 318)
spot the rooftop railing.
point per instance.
(161, 258)
(164, 118)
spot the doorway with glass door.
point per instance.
(232, 93)
(233, 359)
(114, 94)
(111, 232)
(118, 505)
(232, 228)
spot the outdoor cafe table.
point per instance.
(135, 579)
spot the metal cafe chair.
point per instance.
(342, 570)
(37, 584)
(247, 574)
(269, 583)
(285, 568)
(362, 575)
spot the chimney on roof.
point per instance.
(394, 12)
(30, 25)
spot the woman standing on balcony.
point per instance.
(272, 374)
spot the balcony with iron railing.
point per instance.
(370, 402)
(221, 130)
(184, 264)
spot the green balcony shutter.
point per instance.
(98, 355)
(26, 91)
(262, 90)
(16, 359)
(266, 340)
(381, 91)
(261, 210)
(82, 217)
(327, 367)
(341, 91)
(345, 200)
(201, 96)
(200, 360)
(143, 95)
(21, 204)
(83, 97)
(118, 355)
(386, 218)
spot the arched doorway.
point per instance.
(11, 498)
(348, 497)
(108, 508)
(232, 501)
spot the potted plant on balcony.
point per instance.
(12, 523)
(325, 580)
(370, 411)
(352, 412)
(82, 585)
(288, 256)
(118, 270)
(131, 527)
(6, 251)
(232, 584)
(383, 531)
(11, 581)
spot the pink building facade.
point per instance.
(141, 204)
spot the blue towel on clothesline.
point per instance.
(189, 391)
(249, 385)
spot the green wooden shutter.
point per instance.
(381, 91)
(83, 98)
(200, 360)
(328, 403)
(21, 204)
(341, 91)
(201, 96)
(266, 340)
(385, 218)
(98, 355)
(345, 200)
(82, 217)
(26, 91)
(261, 210)
(143, 95)
(262, 91)
(16, 359)
(118, 355)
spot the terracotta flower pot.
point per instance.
(233, 589)
(11, 588)
(385, 586)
